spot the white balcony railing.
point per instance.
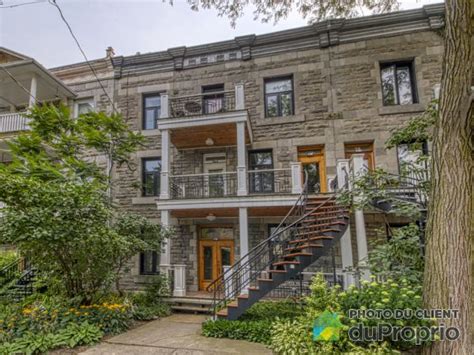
(13, 122)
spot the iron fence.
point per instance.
(197, 186)
(270, 181)
(202, 104)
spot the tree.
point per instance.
(449, 235)
(58, 207)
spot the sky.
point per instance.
(129, 26)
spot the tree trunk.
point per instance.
(449, 233)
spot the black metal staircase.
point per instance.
(308, 231)
(17, 280)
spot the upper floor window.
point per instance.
(151, 110)
(213, 98)
(151, 168)
(279, 97)
(83, 106)
(398, 83)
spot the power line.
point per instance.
(18, 83)
(22, 4)
(53, 3)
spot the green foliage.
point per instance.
(295, 336)
(58, 202)
(417, 130)
(7, 257)
(148, 305)
(400, 257)
(255, 331)
(269, 310)
(39, 343)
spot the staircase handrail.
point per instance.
(9, 270)
(241, 268)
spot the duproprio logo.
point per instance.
(327, 327)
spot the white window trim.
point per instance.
(89, 100)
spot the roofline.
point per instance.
(14, 53)
(42, 69)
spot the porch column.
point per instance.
(239, 97)
(244, 242)
(165, 257)
(33, 91)
(241, 160)
(357, 161)
(165, 165)
(164, 111)
(179, 286)
(342, 169)
(296, 177)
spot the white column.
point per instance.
(342, 169)
(362, 249)
(179, 287)
(165, 165)
(241, 160)
(296, 177)
(33, 91)
(165, 257)
(244, 241)
(239, 97)
(164, 112)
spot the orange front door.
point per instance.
(213, 256)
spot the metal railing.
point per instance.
(202, 104)
(198, 186)
(270, 181)
(13, 122)
(11, 271)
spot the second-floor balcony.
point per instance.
(215, 185)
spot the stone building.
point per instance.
(233, 127)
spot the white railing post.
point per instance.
(244, 244)
(165, 165)
(164, 113)
(239, 97)
(296, 178)
(241, 160)
(179, 287)
(342, 171)
(359, 169)
(33, 89)
(229, 287)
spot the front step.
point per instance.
(191, 305)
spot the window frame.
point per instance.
(155, 108)
(156, 177)
(265, 94)
(155, 263)
(424, 150)
(89, 100)
(269, 167)
(398, 64)
(213, 92)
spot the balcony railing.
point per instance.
(198, 186)
(274, 181)
(13, 122)
(202, 104)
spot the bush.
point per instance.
(295, 336)
(255, 331)
(73, 335)
(143, 312)
(269, 310)
(7, 257)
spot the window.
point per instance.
(261, 182)
(409, 155)
(213, 98)
(149, 262)
(151, 110)
(361, 148)
(279, 97)
(83, 106)
(151, 176)
(398, 83)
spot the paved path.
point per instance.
(179, 334)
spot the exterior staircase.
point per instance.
(16, 280)
(307, 233)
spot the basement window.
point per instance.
(149, 263)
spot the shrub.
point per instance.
(268, 310)
(255, 331)
(7, 257)
(144, 312)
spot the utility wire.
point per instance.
(18, 83)
(22, 4)
(53, 3)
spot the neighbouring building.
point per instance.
(233, 127)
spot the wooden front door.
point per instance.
(213, 256)
(313, 162)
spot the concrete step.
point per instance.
(190, 304)
(191, 309)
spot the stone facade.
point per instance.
(337, 100)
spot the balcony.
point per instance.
(13, 122)
(202, 104)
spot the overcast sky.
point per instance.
(129, 26)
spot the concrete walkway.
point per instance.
(178, 334)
